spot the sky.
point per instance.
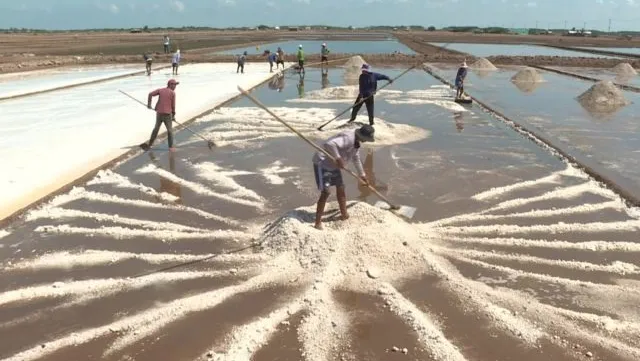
(88, 14)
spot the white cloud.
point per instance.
(177, 5)
(114, 8)
(271, 4)
(632, 3)
(227, 2)
(532, 4)
(303, 1)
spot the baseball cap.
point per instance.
(173, 81)
(365, 67)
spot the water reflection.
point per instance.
(325, 78)
(526, 86)
(166, 185)
(458, 117)
(300, 87)
(368, 168)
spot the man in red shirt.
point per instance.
(165, 112)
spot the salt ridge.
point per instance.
(594, 246)
(272, 173)
(109, 177)
(224, 178)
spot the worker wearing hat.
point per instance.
(460, 76)
(324, 51)
(343, 147)
(368, 84)
(300, 56)
(165, 112)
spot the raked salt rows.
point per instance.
(98, 124)
(497, 277)
(339, 258)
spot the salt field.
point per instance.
(486, 50)
(14, 84)
(615, 50)
(513, 252)
(607, 140)
(338, 46)
(603, 74)
(97, 124)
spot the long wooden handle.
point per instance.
(314, 145)
(362, 100)
(145, 105)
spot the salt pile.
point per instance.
(371, 238)
(354, 63)
(624, 69)
(603, 96)
(527, 75)
(483, 64)
(334, 93)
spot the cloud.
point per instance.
(228, 2)
(271, 4)
(532, 4)
(632, 3)
(177, 5)
(303, 1)
(112, 8)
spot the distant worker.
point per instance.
(460, 76)
(273, 57)
(280, 58)
(148, 60)
(300, 56)
(165, 112)
(368, 84)
(324, 51)
(167, 44)
(241, 60)
(175, 62)
(343, 147)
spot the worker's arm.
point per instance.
(151, 95)
(358, 164)
(173, 105)
(379, 77)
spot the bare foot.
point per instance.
(318, 226)
(172, 149)
(344, 217)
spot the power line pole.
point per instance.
(609, 26)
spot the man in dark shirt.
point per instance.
(368, 84)
(462, 73)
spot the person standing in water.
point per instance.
(460, 76)
(343, 147)
(300, 56)
(324, 52)
(148, 61)
(280, 58)
(165, 112)
(175, 62)
(241, 59)
(272, 57)
(368, 84)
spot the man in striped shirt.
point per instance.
(165, 112)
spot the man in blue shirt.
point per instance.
(368, 85)
(462, 73)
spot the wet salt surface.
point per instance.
(486, 50)
(610, 141)
(604, 74)
(454, 177)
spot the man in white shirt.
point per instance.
(344, 147)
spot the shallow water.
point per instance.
(486, 50)
(610, 140)
(338, 46)
(615, 50)
(603, 74)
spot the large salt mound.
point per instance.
(484, 64)
(386, 133)
(355, 62)
(332, 93)
(527, 75)
(603, 96)
(624, 69)
(370, 239)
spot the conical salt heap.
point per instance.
(624, 70)
(604, 96)
(483, 64)
(527, 75)
(352, 69)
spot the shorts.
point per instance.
(458, 83)
(326, 178)
(301, 63)
(280, 62)
(324, 58)
(175, 65)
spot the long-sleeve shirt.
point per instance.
(241, 59)
(166, 100)
(176, 58)
(324, 50)
(272, 57)
(342, 145)
(369, 83)
(300, 54)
